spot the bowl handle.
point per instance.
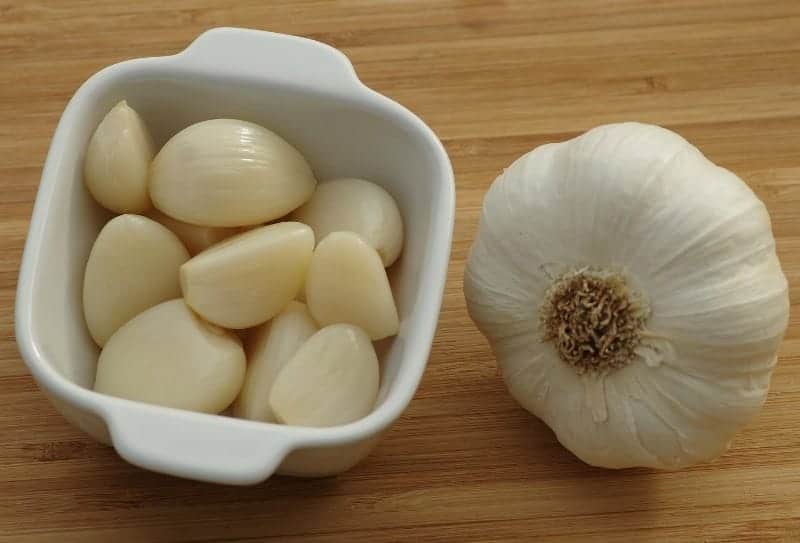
(195, 446)
(290, 59)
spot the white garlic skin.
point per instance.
(355, 205)
(269, 348)
(332, 379)
(247, 279)
(195, 238)
(347, 283)
(117, 161)
(169, 356)
(133, 265)
(690, 236)
(226, 172)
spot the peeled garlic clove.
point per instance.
(247, 279)
(169, 356)
(347, 283)
(358, 206)
(196, 238)
(332, 379)
(133, 265)
(225, 172)
(269, 347)
(117, 160)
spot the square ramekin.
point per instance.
(309, 93)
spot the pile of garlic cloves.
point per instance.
(230, 278)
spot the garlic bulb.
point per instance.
(117, 161)
(225, 172)
(632, 295)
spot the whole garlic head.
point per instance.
(632, 295)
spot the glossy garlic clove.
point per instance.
(133, 265)
(226, 172)
(347, 283)
(269, 347)
(247, 279)
(169, 356)
(195, 238)
(117, 160)
(332, 379)
(359, 206)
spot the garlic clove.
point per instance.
(133, 265)
(332, 379)
(347, 283)
(226, 172)
(169, 356)
(269, 347)
(246, 280)
(194, 237)
(359, 206)
(117, 160)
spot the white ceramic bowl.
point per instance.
(309, 93)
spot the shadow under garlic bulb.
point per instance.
(631, 293)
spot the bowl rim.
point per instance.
(193, 60)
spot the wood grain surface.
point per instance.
(493, 79)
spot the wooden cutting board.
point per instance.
(493, 79)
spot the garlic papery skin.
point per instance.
(631, 293)
(226, 172)
(117, 161)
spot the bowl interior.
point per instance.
(340, 135)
